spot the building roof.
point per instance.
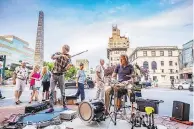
(188, 42)
(12, 36)
(155, 48)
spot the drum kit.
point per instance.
(91, 111)
(94, 110)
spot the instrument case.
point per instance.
(36, 108)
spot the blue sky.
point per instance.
(86, 24)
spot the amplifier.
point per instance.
(36, 108)
(143, 103)
(68, 115)
(71, 100)
(180, 111)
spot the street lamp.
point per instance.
(3, 59)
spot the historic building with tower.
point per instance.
(117, 45)
(39, 48)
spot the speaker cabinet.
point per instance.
(181, 111)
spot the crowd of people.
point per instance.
(36, 79)
(49, 79)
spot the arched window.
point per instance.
(145, 65)
(154, 65)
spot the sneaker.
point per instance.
(2, 97)
(65, 107)
(19, 101)
(50, 110)
(106, 113)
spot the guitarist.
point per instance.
(62, 63)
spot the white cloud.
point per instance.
(165, 28)
(171, 2)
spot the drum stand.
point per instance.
(115, 112)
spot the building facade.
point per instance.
(39, 48)
(85, 62)
(117, 45)
(161, 62)
(15, 49)
(186, 61)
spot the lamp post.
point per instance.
(3, 58)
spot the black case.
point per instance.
(36, 108)
(180, 111)
(142, 103)
(71, 97)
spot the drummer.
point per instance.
(124, 70)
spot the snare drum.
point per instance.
(91, 111)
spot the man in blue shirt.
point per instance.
(122, 73)
(80, 81)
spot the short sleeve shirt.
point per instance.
(46, 77)
(22, 73)
(81, 76)
(60, 64)
(124, 72)
(100, 69)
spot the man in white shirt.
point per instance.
(21, 74)
(100, 80)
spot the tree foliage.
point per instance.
(71, 73)
(8, 73)
(50, 65)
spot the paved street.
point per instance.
(165, 109)
(167, 95)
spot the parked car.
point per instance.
(182, 85)
(72, 84)
(191, 87)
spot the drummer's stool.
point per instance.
(120, 101)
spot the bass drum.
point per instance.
(91, 111)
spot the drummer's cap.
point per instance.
(81, 64)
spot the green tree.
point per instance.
(8, 73)
(70, 73)
(50, 65)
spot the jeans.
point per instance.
(81, 91)
(53, 82)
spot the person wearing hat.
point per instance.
(21, 74)
(80, 81)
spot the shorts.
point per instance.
(20, 85)
(46, 86)
(34, 88)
